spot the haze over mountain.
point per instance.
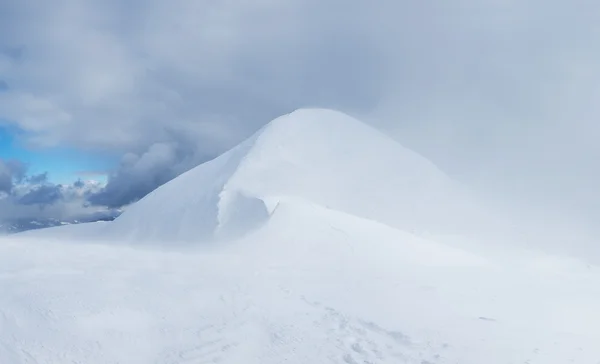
(316, 240)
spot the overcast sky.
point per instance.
(502, 94)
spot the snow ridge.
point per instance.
(323, 157)
(317, 155)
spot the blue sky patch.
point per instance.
(64, 165)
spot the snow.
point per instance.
(300, 247)
(322, 156)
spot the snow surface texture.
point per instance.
(315, 264)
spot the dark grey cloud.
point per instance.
(6, 179)
(139, 174)
(42, 195)
(38, 178)
(11, 171)
(31, 200)
(11, 52)
(78, 184)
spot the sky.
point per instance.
(500, 94)
(63, 164)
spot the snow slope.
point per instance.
(321, 156)
(316, 263)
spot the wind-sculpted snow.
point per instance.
(321, 156)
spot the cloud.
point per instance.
(501, 94)
(138, 175)
(42, 196)
(38, 178)
(11, 171)
(26, 197)
(79, 184)
(112, 74)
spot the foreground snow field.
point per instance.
(268, 258)
(312, 286)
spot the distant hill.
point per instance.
(17, 225)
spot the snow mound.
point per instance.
(322, 156)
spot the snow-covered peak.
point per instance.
(319, 156)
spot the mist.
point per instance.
(501, 96)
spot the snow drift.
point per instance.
(319, 156)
